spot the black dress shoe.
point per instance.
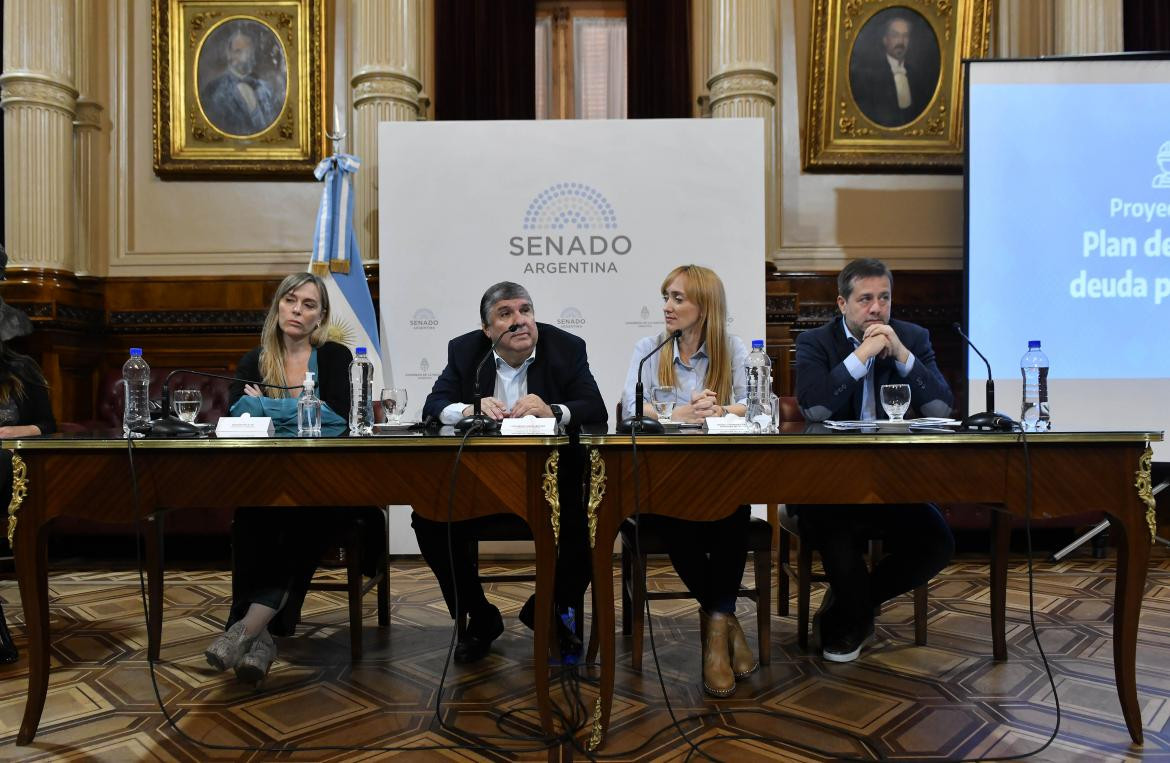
(8, 653)
(477, 641)
(567, 640)
(847, 646)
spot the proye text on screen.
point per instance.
(1138, 210)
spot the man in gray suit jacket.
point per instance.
(840, 368)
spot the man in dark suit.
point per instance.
(889, 88)
(538, 370)
(840, 368)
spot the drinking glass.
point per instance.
(394, 404)
(663, 400)
(895, 400)
(186, 403)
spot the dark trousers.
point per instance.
(917, 541)
(455, 570)
(709, 557)
(275, 552)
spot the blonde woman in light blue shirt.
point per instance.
(705, 369)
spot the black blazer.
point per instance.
(560, 374)
(332, 376)
(826, 390)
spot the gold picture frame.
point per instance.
(239, 88)
(860, 117)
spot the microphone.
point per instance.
(988, 419)
(477, 420)
(170, 426)
(637, 422)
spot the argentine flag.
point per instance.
(337, 261)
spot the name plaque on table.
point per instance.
(529, 425)
(730, 424)
(244, 426)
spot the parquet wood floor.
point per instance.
(944, 700)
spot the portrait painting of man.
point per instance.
(894, 67)
(242, 77)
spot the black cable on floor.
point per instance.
(172, 720)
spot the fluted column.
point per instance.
(742, 81)
(387, 79)
(1088, 26)
(89, 157)
(39, 100)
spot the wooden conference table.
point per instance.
(90, 477)
(705, 477)
(695, 476)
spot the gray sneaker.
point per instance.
(253, 666)
(226, 650)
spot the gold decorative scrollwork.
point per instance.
(19, 491)
(595, 735)
(1145, 490)
(552, 494)
(596, 492)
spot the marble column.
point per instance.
(39, 99)
(386, 82)
(90, 155)
(742, 82)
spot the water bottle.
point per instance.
(136, 379)
(309, 409)
(1034, 415)
(759, 387)
(361, 394)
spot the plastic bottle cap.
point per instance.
(360, 350)
(1033, 344)
(136, 352)
(757, 344)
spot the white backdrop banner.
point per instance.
(589, 216)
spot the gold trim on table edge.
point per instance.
(596, 492)
(19, 491)
(551, 494)
(373, 441)
(800, 439)
(595, 736)
(1145, 491)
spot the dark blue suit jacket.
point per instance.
(560, 374)
(826, 390)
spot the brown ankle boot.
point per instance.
(743, 659)
(718, 679)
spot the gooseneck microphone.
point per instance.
(639, 422)
(477, 419)
(170, 426)
(988, 419)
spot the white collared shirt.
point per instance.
(511, 385)
(901, 83)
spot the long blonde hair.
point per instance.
(272, 338)
(706, 290)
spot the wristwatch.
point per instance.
(557, 412)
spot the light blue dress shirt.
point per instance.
(689, 378)
(511, 385)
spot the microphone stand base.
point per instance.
(641, 425)
(173, 427)
(479, 422)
